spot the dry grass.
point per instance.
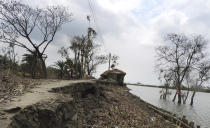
(13, 85)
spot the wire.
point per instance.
(96, 25)
(106, 51)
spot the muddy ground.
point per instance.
(88, 105)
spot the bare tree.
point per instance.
(19, 21)
(167, 78)
(178, 55)
(188, 84)
(199, 77)
(94, 62)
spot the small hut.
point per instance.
(114, 75)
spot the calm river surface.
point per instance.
(199, 112)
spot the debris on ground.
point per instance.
(87, 105)
(12, 85)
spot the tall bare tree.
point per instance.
(178, 55)
(19, 21)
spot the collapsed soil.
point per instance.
(88, 105)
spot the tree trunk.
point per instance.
(33, 69)
(188, 90)
(62, 75)
(179, 96)
(192, 98)
(164, 96)
(174, 97)
(33, 75)
(43, 67)
(184, 100)
(71, 74)
(82, 66)
(109, 61)
(88, 69)
(85, 64)
(166, 93)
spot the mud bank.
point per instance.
(85, 105)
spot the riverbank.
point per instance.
(87, 104)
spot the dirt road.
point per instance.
(35, 95)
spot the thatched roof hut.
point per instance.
(115, 74)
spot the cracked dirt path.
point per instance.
(39, 94)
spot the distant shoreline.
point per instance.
(154, 86)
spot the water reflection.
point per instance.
(199, 113)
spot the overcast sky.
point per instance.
(130, 29)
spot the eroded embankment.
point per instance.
(90, 105)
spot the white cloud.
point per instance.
(131, 29)
(119, 6)
(172, 17)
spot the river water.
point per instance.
(199, 112)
